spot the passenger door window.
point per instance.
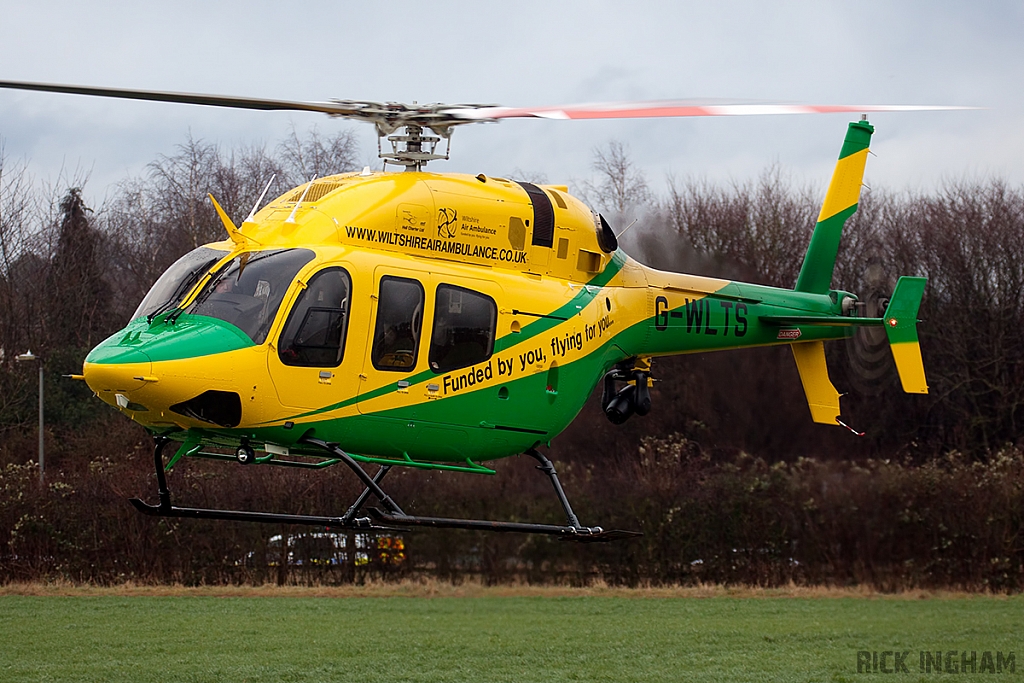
(314, 335)
(399, 322)
(464, 326)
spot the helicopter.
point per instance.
(441, 321)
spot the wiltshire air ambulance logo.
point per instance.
(446, 223)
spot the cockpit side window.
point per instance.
(464, 326)
(314, 335)
(248, 291)
(177, 280)
(396, 337)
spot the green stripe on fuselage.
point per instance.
(582, 299)
(482, 424)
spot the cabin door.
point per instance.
(315, 363)
(395, 358)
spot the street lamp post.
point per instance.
(29, 356)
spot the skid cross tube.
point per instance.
(369, 481)
(384, 469)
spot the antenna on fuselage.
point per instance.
(252, 214)
(291, 216)
(626, 228)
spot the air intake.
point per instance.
(316, 193)
(222, 408)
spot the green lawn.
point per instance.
(489, 638)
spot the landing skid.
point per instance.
(568, 533)
(242, 516)
(391, 518)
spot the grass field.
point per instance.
(415, 634)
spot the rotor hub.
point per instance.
(412, 149)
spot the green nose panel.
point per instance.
(108, 353)
(190, 336)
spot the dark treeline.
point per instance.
(727, 477)
(891, 524)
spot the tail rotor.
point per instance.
(871, 368)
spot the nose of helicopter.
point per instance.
(156, 372)
(110, 370)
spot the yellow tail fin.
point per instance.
(822, 397)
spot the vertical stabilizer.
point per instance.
(840, 203)
(822, 397)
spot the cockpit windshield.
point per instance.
(177, 280)
(248, 291)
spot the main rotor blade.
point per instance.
(661, 109)
(392, 115)
(187, 98)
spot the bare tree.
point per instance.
(535, 177)
(967, 242)
(620, 188)
(180, 184)
(152, 220)
(17, 279)
(317, 155)
(15, 209)
(78, 293)
(754, 231)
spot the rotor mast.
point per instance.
(408, 149)
(425, 125)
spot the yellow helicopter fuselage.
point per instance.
(433, 318)
(556, 304)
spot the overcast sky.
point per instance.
(530, 53)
